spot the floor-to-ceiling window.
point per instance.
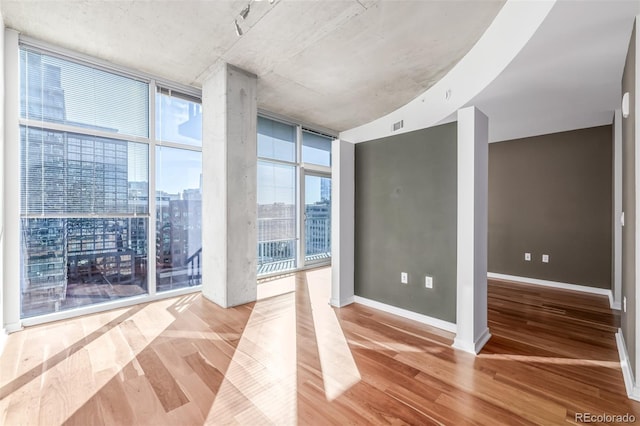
(277, 221)
(88, 143)
(294, 211)
(178, 190)
(316, 161)
(317, 217)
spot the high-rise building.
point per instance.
(179, 235)
(325, 189)
(71, 174)
(44, 268)
(318, 228)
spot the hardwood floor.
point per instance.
(292, 359)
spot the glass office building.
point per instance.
(85, 187)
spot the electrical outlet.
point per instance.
(545, 258)
(527, 257)
(428, 282)
(404, 278)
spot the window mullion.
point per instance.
(299, 199)
(58, 127)
(151, 240)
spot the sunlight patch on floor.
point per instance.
(552, 360)
(276, 287)
(261, 387)
(98, 361)
(339, 370)
(185, 302)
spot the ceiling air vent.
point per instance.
(399, 125)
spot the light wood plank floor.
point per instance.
(292, 359)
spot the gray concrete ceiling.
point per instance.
(337, 64)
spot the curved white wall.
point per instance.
(512, 28)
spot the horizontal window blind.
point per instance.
(276, 140)
(70, 173)
(316, 149)
(61, 91)
(276, 201)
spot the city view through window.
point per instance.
(278, 186)
(317, 218)
(85, 195)
(88, 232)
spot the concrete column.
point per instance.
(342, 222)
(229, 173)
(473, 165)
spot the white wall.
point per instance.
(473, 167)
(2, 145)
(11, 188)
(616, 302)
(342, 223)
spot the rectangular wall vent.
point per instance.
(399, 125)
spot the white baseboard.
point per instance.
(555, 284)
(13, 327)
(633, 391)
(472, 347)
(337, 303)
(424, 319)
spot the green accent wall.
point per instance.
(552, 194)
(406, 220)
(629, 204)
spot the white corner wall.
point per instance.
(11, 162)
(3, 334)
(342, 223)
(616, 301)
(473, 183)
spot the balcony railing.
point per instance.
(279, 255)
(193, 266)
(276, 255)
(318, 237)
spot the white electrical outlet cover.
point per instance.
(625, 105)
(428, 282)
